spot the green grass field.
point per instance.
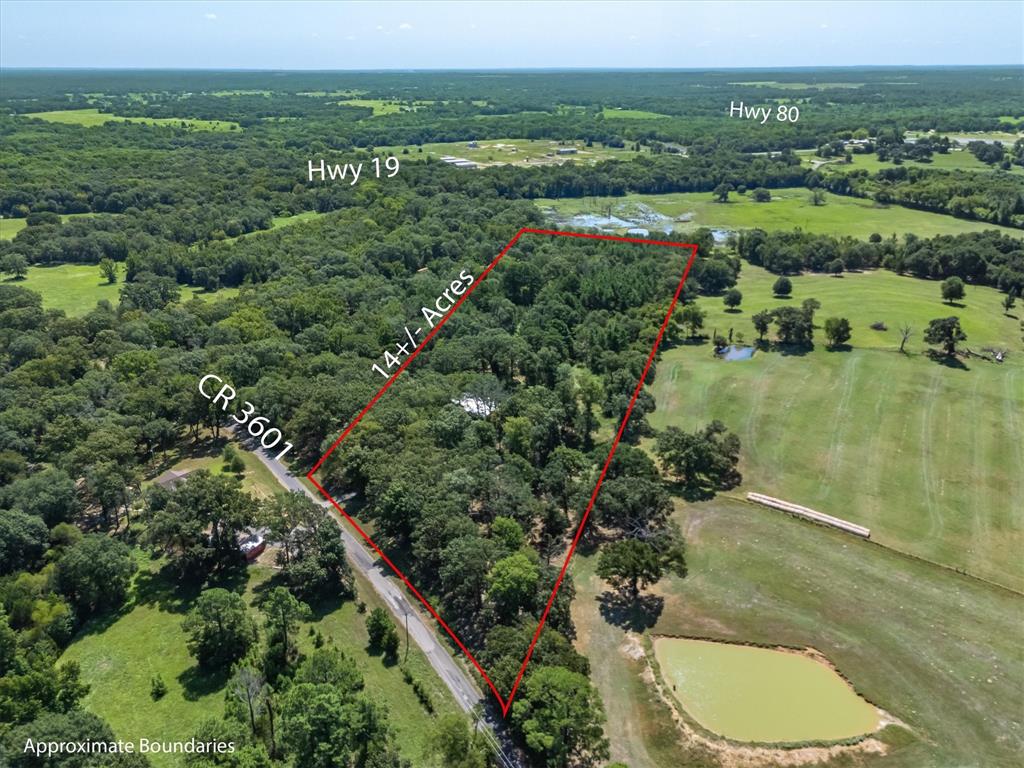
(512, 151)
(789, 209)
(90, 118)
(935, 649)
(796, 86)
(75, 288)
(379, 106)
(952, 161)
(10, 227)
(119, 660)
(930, 457)
(630, 114)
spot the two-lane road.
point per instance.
(465, 691)
(458, 681)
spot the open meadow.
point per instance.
(956, 160)
(790, 208)
(930, 457)
(75, 288)
(90, 118)
(120, 654)
(905, 633)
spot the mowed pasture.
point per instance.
(929, 456)
(10, 227)
(75, 288)
(119, 657)
(618, 113)
(909, 636)
(90, 118)
(790, 208)
(955, 160)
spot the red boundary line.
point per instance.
(506, 703)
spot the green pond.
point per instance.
(759, 694)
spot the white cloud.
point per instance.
(210, 16)
(380, 28)
(405, 25)
(823, 26)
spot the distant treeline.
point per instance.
(457, 106)
(984, 258)
(995, 197)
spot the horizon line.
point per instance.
(769, 68)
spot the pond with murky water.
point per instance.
(761, 694)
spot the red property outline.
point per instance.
(507, 703)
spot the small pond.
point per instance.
(760, 694)
(733, 352)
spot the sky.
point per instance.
(499, 35)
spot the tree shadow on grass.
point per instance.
(733, 311)
(839, 348)
(690, 493)
(326, 606)
(387, 659)
(627, 612)
(197, 682)
(165, 592)
(794, 350)
(100, 623)
(949, 361)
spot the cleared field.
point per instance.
(630, 114)
(937, 650)
(75, 288)
(789, 208)
(762, 694)
(90, 118)
(797, 86)
(514, 151)
(256, 479)
(956, 160)
(384, 107)
(10, 227)
(930, 457)
(119, 658)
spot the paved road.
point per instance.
(465, 691)
(462, 687)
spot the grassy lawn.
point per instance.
(10, 227)
(75, 288)
(930, 457)
(935, 649)
(346, 628)
(961, 160)
(119, 656)
(630, 114)
(382, 106)
(789, 209)
(796, 86)
(513, 151)
(90, 118)
(256, 479)
(298, 218)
